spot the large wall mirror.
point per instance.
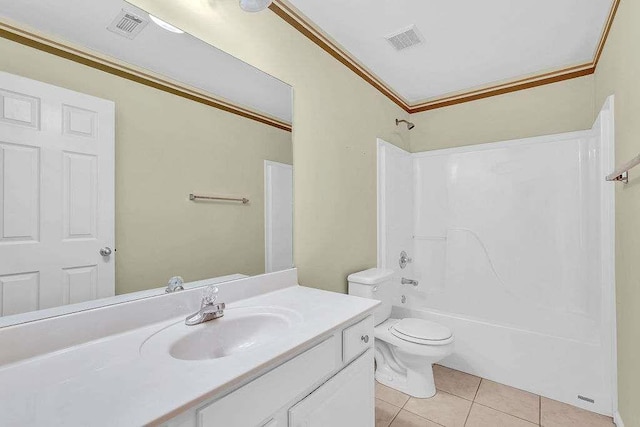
(130, 153)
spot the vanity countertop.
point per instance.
(107, 382)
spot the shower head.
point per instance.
(409, 124)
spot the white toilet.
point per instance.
(405, 349)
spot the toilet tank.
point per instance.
(374, 283)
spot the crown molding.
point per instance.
(605, 33)
(294, 18)
(81, 55)
(297, 20)
(503, 88)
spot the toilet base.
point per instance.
(407, 366)
(415, 384)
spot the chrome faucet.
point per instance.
(175, 284)
(209, 310)
(409, 282)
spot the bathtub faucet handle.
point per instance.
(404, 259)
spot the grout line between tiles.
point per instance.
(539, 410)
(444, 392)
(478, 389)
(473, 401)
(389, 403)
(465, 373)
(421, 417)
(480, 404)
(466, 420)
(417, 415)
(394, 417)
(506, 413)
(453, 394)
(524, 419)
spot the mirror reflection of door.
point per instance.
(278, 215)
(57, 196)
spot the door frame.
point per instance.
(267, 210)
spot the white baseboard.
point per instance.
(617, 419)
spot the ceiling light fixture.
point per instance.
(254, 5)
(160, 23)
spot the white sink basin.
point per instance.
(239, 330)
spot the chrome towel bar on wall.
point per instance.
(622, 173)
(195, 197)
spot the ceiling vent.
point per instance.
(405, 38)
(127, 24)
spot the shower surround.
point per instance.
(512, 247)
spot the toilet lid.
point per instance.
(420, 331)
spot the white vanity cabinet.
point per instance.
(344, 400)
(329, 384)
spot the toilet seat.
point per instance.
(421, 331)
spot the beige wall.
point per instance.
(559, 107)
(619, 73)
(166, 148)
(336, 118)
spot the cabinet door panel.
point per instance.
(346, 400)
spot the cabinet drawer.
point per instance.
(251, 404)
(357, 338)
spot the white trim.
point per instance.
(384, 148)
(267, 210)
(607, 135)
(381, 199)
(267, 236)
(617, 419)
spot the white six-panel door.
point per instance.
(56, 196)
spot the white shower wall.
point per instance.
(512, 249)
(395, 208)
(512, 225)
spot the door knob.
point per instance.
(106, 251)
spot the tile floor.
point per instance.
(465, 400)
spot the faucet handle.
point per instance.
(210, 295)
(175, 284)
(404, 259)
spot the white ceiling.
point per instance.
(468, 43)
(180, 57)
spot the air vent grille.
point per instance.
(405, 38)
(127, 24)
